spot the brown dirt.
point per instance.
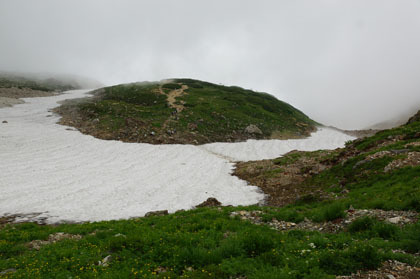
(173, 94)
(282, 184)
(210, 202)
(24, 93)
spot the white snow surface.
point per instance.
(48, 171)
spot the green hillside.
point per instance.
(23, 82)
(185, 111)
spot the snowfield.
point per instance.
(48, 171)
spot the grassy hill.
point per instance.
(185, 111)
(23, 82)
(346, 210)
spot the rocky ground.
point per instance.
(11, 96)
(282, 185)
(389, 270)
(399, 218)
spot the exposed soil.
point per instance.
(10, 96)
(15, 92)
(283, 187)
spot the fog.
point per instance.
(350, 64)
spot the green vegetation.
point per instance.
(202, 112)
(202, 243)
(47, 85)
(356, 175)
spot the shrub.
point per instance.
(330, 212)
(361, 224)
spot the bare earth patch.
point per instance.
(283, 183)
(52, 238)
(10, 96)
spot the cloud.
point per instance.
(346, 63)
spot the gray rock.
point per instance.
(400, 151)
(390, 276)
(157, 213)
(253, 129)
(106, 261)
(395, 220)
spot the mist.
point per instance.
(351, 64)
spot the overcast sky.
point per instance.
(346, 63)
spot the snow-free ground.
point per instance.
(53, 172)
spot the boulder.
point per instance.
(210, 202)
(156, 213)
(253, 129)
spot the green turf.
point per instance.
(216, 113)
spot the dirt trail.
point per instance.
(173, 94)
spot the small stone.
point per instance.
(242, 213)
(105, 262)
(395, 220)
(390, 276)
(4, 121)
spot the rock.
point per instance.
(10, 270)
(4, 121)
(106, 261)
(253, 129)
(152, 133)
(156, 213)
(400, 151)
(210, 202)
(192, 126)
(395, 220)
(160, 269)
(390, 276)
(52, 238)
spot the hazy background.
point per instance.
(346, 63)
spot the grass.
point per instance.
(202, 243)
(211, 113)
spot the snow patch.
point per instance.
(68, 176)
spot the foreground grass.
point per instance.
(202, 243)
